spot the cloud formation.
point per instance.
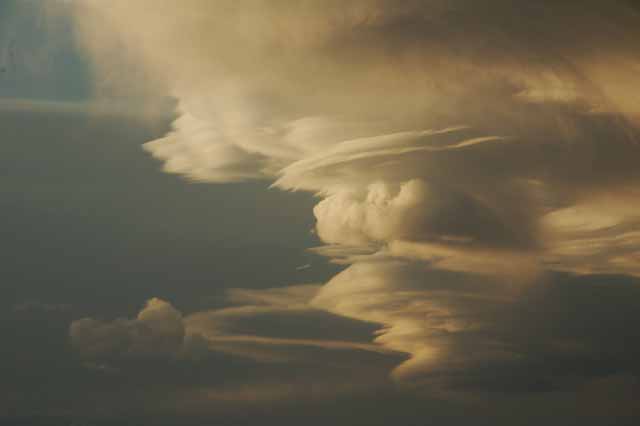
(486, 131)
(477, 145)
(468, 332)
(156, 331)
(252, 330)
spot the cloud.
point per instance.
(419, 308)
(286, 297)
(269, 350)
(252, 329)
(268, 325)
(483, 128)
(463, 332)
(457, 150)
(156, 331)
(467, 333)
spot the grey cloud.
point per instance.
(273, 321)
(565, 331)
(157, 331)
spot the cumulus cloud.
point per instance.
(474, 144)
(158, 330)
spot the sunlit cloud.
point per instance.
(458, 155)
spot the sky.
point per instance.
(369, 212)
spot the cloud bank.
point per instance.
(484, 146)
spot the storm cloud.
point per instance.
(470, 159)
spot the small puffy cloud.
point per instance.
(158, 331)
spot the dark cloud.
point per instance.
(563, 332)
